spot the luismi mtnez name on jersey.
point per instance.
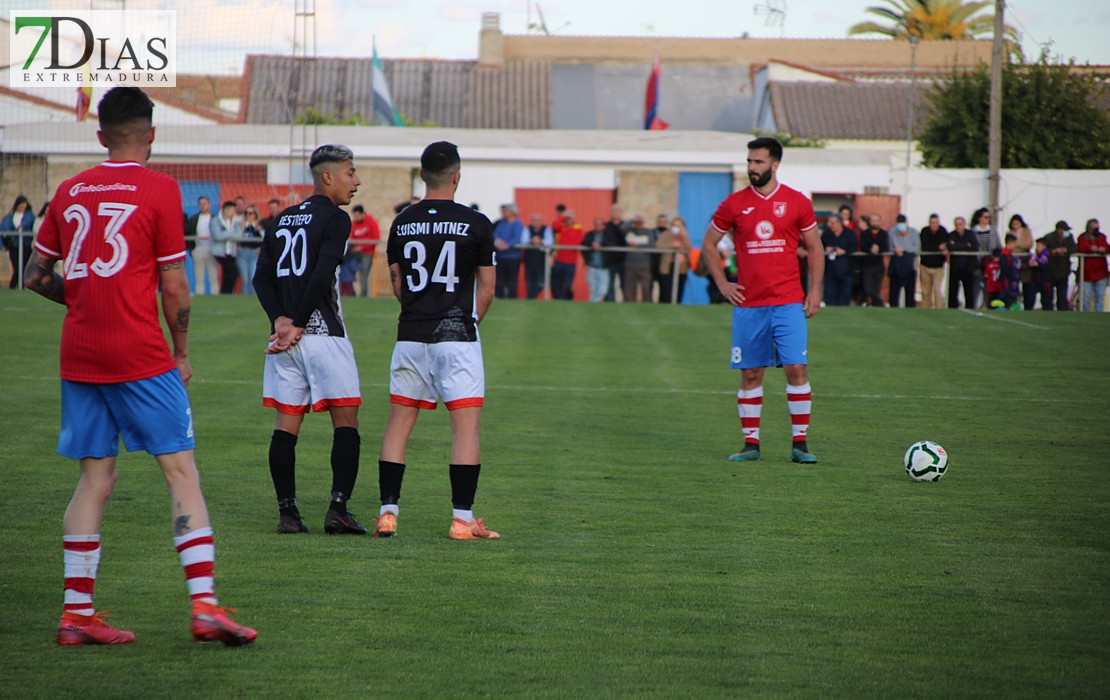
(431, 228)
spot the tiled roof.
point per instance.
(848, 110)
(441, 92)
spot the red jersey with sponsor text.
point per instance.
(112, 226)
(766, 231)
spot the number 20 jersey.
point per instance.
(439, 244)
(301, 237)
(112, 226)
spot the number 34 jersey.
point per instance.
(112, 227)
(297, 266)
(439, 244)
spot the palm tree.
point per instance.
(932, 19)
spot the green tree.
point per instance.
(1050, 119)
(931, 19)
(311, 115)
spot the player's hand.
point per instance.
(813, 303)
(184, 368)
(285, 335)
(734, 293)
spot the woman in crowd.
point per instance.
(247, 257)
(1020, 248)
(676, 238)
(19, 219)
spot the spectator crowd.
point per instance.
(970, 265)
(984, 268)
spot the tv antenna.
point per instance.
(775, 11)
(540, 25)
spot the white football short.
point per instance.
(420, 374)
(318, 372)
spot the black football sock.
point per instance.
(464, 483)
(283, 461)
(390, 475)
(344, 467)
(801, 445)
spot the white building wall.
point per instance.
(493, 184)
(1042, 197)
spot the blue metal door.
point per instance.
(698, 197)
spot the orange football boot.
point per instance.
(473, 530)
(387, 525)
(211, 624)
(77, 629)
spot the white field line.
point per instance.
(646, 390)
(980, 314)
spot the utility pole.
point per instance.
(914, 40)
(995, 156)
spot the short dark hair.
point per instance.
(843, 207)
(771, 144)
(358, 208)
(328, 153)
(560, 208)
(204, 198)
(1010, 238)
(227, 204)
(240, 197)
(274, 201)
(438, 163)
(122, 110)
(934, 216)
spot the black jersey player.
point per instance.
(310, 363)
(441, 261)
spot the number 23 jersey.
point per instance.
(112, 226)
(439, 244)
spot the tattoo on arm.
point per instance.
(181, 525)
(183, 319)
(39, 277)
(175, 265)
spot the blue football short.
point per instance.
(152, 415)
(768, 336)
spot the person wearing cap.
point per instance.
(1061, 246)
(1095, 271)
(905, 242)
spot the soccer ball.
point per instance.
(926, 461)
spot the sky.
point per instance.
(215, 35)
(449, 28)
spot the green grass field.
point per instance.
(635, 561)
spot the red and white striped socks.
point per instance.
(799, 399)
(750, 404)
(82, 558)
(198, 556)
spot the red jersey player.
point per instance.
(119, 231)
(769, 307)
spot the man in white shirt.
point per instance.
(203, 260)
